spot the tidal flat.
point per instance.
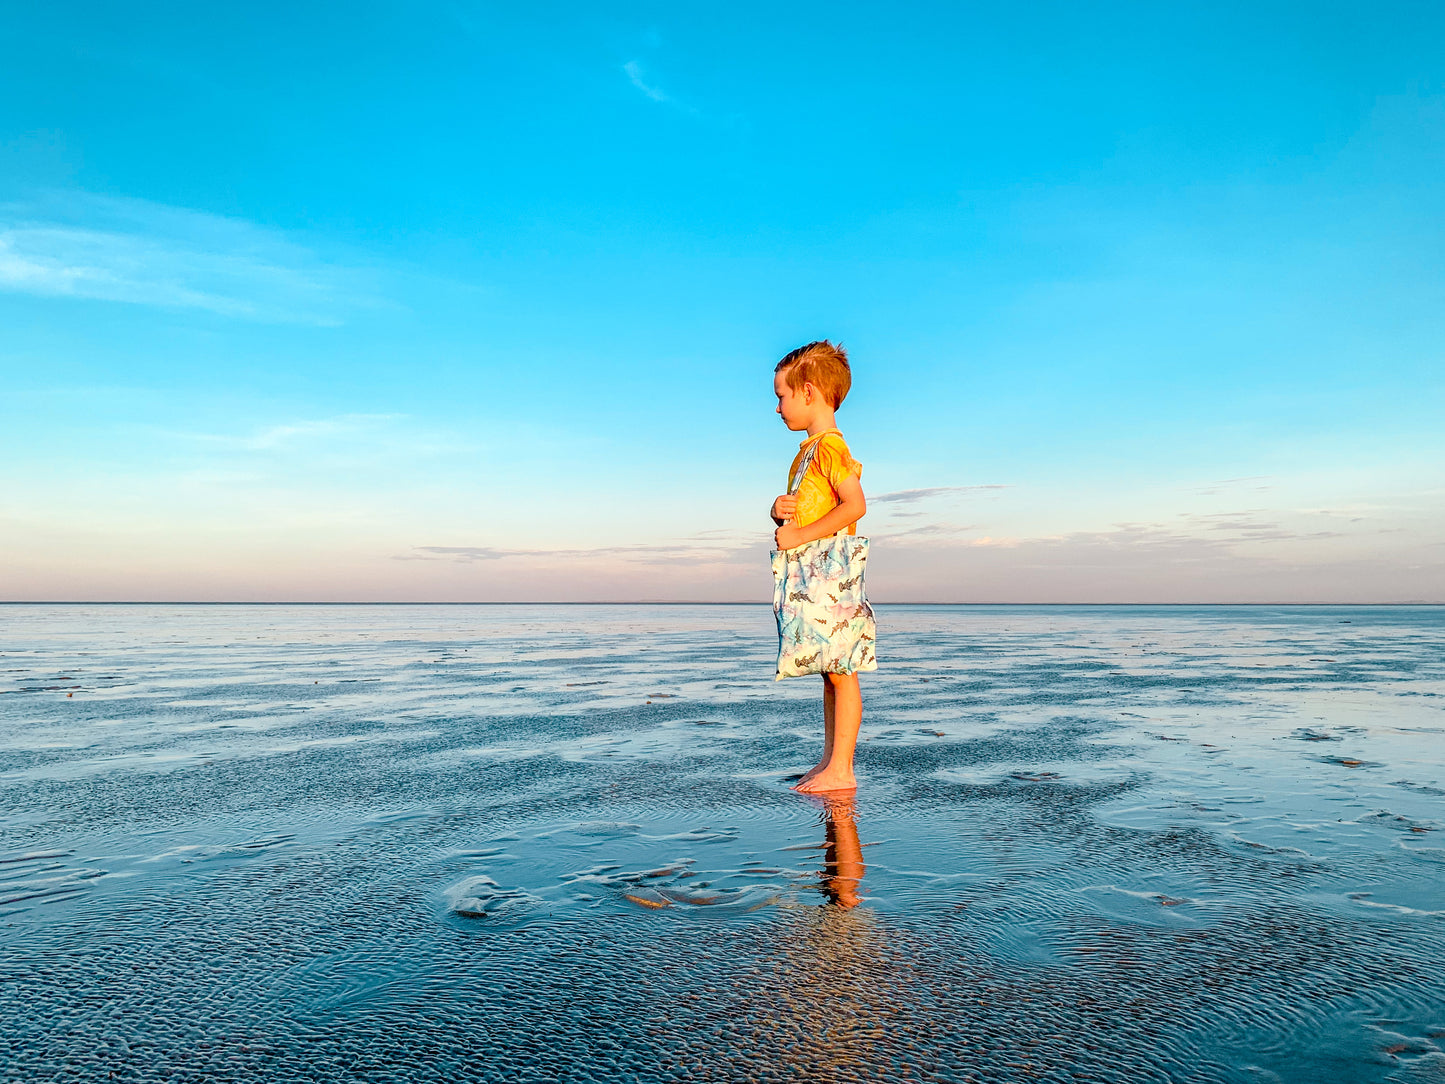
(557, 843)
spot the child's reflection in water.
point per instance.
(842, 853)
(832, 995)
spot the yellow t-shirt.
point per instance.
(832, 462)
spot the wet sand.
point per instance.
(557, 843)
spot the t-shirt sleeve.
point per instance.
(834, 462)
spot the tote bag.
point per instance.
(825, 625)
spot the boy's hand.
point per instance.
(784, 507)
(787, 536)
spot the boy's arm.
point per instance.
(852, 506)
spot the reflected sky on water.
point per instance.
(540, 843)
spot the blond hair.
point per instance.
(822, 365)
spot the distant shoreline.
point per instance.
(651, 602)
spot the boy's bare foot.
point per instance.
(814, 770)
(828, 779)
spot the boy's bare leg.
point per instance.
(828, 700)
(837, 773)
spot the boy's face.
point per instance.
(793, 403)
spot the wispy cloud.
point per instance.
(644, 83)
(76, 244)
(1252, 482)
(273, 437)
(1248, 527)
(931, 530)
(669, 553)
(908, 496)
(1191, 537)
(634, 74)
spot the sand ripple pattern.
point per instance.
(556, 843)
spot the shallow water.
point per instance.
(557, 843)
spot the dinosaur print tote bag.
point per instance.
(825, 625)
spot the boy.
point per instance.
(810, 384)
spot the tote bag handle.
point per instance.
(803, 469)
(808, 461)
(804, 465)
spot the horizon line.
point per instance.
(640, 602)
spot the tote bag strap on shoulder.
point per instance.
(807, 462)
(803, 469)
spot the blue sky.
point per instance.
(461, 302)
